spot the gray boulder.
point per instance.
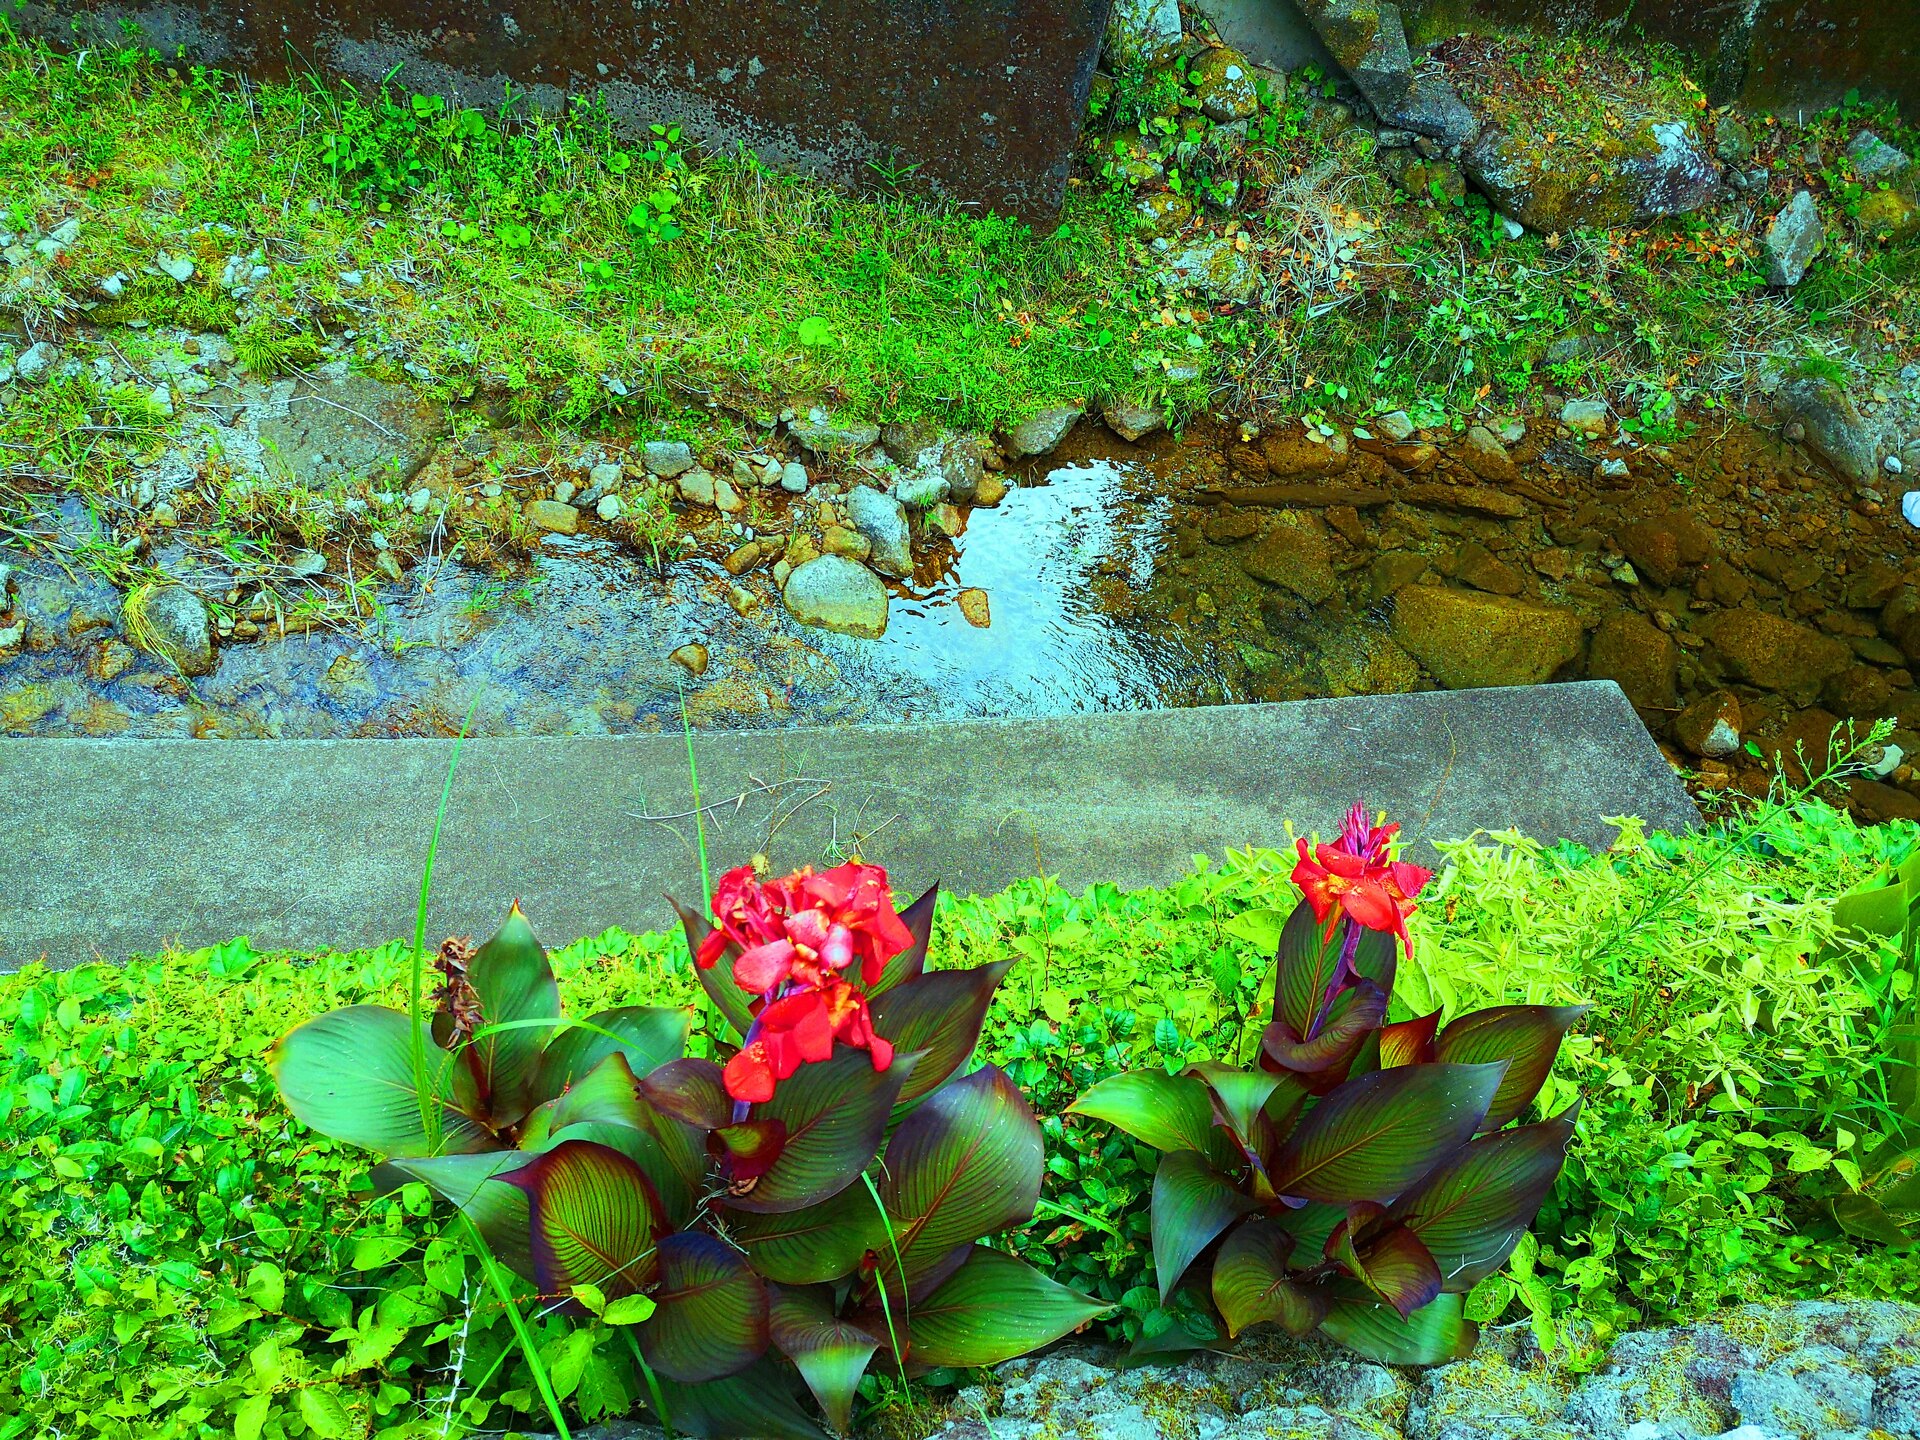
(883, 520)
(1793, 238)
(827, 435)
(1213, 266)
(1874, 159)
(170, 621)
(1142, 31)
(838, 594)
(1433, 108)
(1041, 434)
(354, 429)
(1835, 430)
(1132, 422)
(1655, 164)
(36, 362)
(667, 458)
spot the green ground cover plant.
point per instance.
(178, 1256)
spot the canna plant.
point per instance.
(814, 1195)
(1366, 1175)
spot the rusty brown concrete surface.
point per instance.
(974, 101)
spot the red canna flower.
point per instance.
(1355, 876)
(799, 939)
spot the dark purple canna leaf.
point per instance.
(1527, 1037)
(991, 1309)
(1192, 1204)
(759, 1401)
(1437, 1334)
(594, 1219)
(349, 1074)
(1408, 1042)
(1473, 1207)
(831, 1354)
(835, 1113)
(822, 1242)
(938, 1017)
(747, 1150)
(648, 1035)
(967, 1163)
(1310, 1225)
(1324, 1060)
(910, 962)
(671, 1187)
(1375, 1136)
(514, 983)
(1168, 1112)
(1308, 961)
(690, 1090)
(1386, 1257)
(717, 979)
(710, 1315)
(1377, 958)
(1252, 1285)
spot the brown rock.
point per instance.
(1294, 554)
(552, 516)
(1471, 499)
(1467, 640)
(691, 658)
(1900, 621)
(973, 605)
(1804, 746)
(1416, 457)
(1482, 453)
(1872, 586)
(1775, 654)
(1480, 569)
(1394, 571)
(1228, 527)
(991, 490)
(1724, 585)
(1346, 520)
(743, 559)
(1637, 656)
(1710, 726)
(839, 540)
(1664, 547)
(1248, 461)
(1554, 564)
(1291, 456)
(1311, 497)
(1879, 803)
(1859, 691)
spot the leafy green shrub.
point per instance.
(722, 1211)
(1363, 1180)
(179, 1256)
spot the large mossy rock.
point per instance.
(1469, 640)
(1651, 164)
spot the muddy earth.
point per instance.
(1745, 597)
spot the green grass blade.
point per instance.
(423, 1084)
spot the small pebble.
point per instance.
(1894, 467)
(609, 508)
(1910, 508)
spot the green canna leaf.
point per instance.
(967, 1163)
(938, 1017)
(910, 962)
(349, 1074)
(1436, 1334)
(690, 1090)
(1238, 1095)
(710, 1311)
(1168, 1112)
(1473, 1207)
(1527, 1037)
(993, 1308)
(648, 1035)
(670, 1185)
(1325, 1059)
(511, 976)
(1251, 1282)
(607, 1093)
(831, 1354)
(1192, 1204)
(1305, 964)
(822, 1242)
(1376, 1135)
(758, 1402)
(593, 1219)
(836, 1114)
(729, 999)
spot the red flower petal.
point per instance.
(760, 969)
(749, 1075)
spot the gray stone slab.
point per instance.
(116, 847)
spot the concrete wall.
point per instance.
(980, 100)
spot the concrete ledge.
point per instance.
(115, 847)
